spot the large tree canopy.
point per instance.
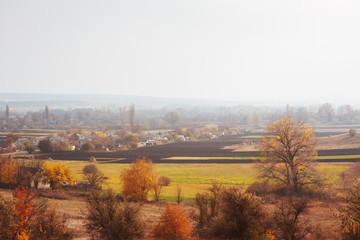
(289, 150)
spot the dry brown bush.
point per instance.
(231, 213)
(108, 218)
(93, 177)
(165, 180)
(258, 188)
(50, 225)
(287, 219)
(87, 147)
(349, 216)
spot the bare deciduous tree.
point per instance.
(123, 116)
(288, 224)
(93, 176)
(132, 116)
(172, 118)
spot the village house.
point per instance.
(19, 144)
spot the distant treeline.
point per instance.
(165, 118)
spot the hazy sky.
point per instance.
(243, 50)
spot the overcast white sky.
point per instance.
(244, 50)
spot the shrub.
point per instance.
(349, 216)
(110, 219)
(208, 207)
(288, 224)
(231, 213)
(137, 181)
(93, 177)
(352, 132)
(29, 146)
(173, 224)
(90, 168)
(179, 195)
(241, 216)
(165, 180)
(45, 146)
(87, 147)
(50, 225)
(258, 188)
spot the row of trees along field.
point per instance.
(221, 213)
(152, 119)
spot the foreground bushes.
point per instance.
(109, 218)
(349, 216)
(287, 222)
(24, 217)
(230, 214)
(50, 225)
(93, 177)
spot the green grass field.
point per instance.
(256, 158)
(251, 136)
(193, 178)
(339, 157)
(210, 158)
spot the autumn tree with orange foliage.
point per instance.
(174, 224)
(57, 174)
(24, 213)
(8, 169)
(137, 181)
(289, 151)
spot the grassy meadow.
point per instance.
(195, 178)
(337, 157)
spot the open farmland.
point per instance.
(213, 151)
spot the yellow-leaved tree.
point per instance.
(137, 181)
(57, 174)
(289, 151)
(8, 170)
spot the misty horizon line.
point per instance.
(257, 102)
